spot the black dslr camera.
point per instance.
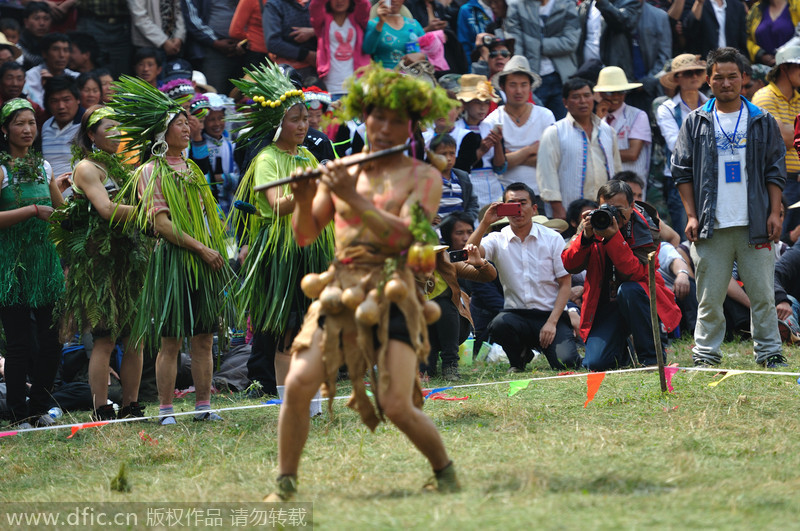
(600, 218)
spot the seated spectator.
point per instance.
(91, 89)
(84, 53)
(36, 24)
(63, 102)
(391, 36)
(8, 51)
(55, 51)
(679, 277)
(787, 290)
(575, 212)
(289, 35)
(536, 285)
(147, 64)
(474, 17)
(158, 25)
(632, 125)
(457, 195)
(339, 26)
(616, 303)
(454, 326)
(317, 102)
(516, 127)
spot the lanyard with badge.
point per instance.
(732, 164)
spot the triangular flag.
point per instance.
(273, 402)
(7, 433)
(517, 386)
(727, 375)
(434, 391)
(439, 396)
(85, 425)
(593, 381)
(668, 373)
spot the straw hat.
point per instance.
(518, 64)
(682, 63)
(612, 79)
(5, 43)
(558, 225)
(475, 87)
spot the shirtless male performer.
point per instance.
(371, 206)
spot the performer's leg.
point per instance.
(130, 373)
(398, 407)
(98, 370)
(305, 375)
(202, 371)
(166, 371)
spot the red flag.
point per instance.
(85, 425)
(668, 373)
(593, 381)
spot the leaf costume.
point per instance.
(181, 294)
(270, 290)
(106, 262)
(30, 270)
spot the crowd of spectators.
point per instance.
(566, 108)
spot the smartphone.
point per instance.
(388, 3)
(458, 256)
(509, 209)
(497, 129)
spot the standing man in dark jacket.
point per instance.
(207, 22)
(702, 24)
(729, 168)
(620, 19)
(289, 35)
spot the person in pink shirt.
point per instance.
(339, 25)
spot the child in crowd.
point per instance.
(457, 193)
(10, 28)
(225, 172)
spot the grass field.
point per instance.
(701, 457)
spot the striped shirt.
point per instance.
(452, 198)
(771, 99)
(56, 143)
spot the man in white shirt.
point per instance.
(55, 51)
(516, 127)
(535, 284)
(578, 154)
(58, 131)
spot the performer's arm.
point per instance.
(89, 179)
(9, 218)
(165, 229)
(313, 210)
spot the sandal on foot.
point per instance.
(444, 480)
(286, 491)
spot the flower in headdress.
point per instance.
(272, 93)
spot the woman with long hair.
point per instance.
(31, 278)
(275, 263)
(91, 89)
(184, 292)
(95, 246)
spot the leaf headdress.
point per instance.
(143, 113)
(272, 94)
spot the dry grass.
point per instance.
(701, 457)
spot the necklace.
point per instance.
(522, 118)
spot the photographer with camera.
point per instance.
(612, 246)
(536, 286)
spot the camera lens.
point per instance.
(600, 219)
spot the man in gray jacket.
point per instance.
(728, 166)
(547, 34)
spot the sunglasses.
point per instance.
(499, 53)
(690, 73)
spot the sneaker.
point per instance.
(451, 374)
(204, 416)
(131, 411)
(703, 362)
(286, 491)
(513, 370)
(23, 426)
(105, 412)
(167, 421)
(445, 480)
(774, 362)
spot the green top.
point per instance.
(30, 271)
(272, 164)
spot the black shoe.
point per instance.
(44, 421)
(131, 411)
(254, 393)
(451, 374)
(105, 412)
(775, 361)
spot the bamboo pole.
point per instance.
(651, 262)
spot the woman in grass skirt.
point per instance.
(106, 263)
(185, 292)
(275, 264)
(31, 279)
